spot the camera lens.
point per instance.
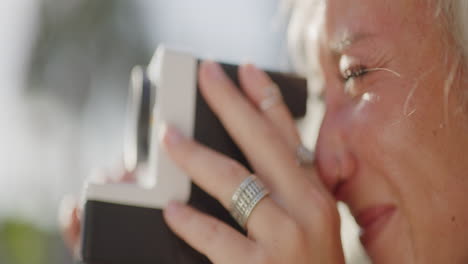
(138, 121)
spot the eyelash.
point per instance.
(354, 72)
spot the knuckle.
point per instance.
(296, 234)
(191, 154)
(325, 214)
(293, 243)
(234, 173)
(293, 228)
(261, 257)
(213, 231)
(329, 213)
(233, 169)
(271, 133)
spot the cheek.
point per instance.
(399, 140)
(375, 125)
(388, 141)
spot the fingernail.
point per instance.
(66, 207)
(214, 70)
(171, 135)
(173, 208)
(252, 73)
(255, 76)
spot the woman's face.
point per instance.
(393, 142)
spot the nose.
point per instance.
(335, 160)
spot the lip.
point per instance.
(372, 221)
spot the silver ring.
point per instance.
(249, 193)
(304, 156)
(272, 96)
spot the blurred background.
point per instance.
(64, 68)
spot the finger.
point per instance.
(264, 147)
(114, 175)
(265, 94)
(70, 224)
(125, 176)
(220, 176)
(213, 238)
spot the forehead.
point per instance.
(346, 21)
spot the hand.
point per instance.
(70, 210)
(297, 223)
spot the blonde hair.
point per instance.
(456, 14)
(306, 12)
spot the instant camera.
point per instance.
(123, 222)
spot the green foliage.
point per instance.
(22, 243)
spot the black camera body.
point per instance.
(122, 222)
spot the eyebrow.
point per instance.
(348, 40)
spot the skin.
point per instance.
(279, 229)
(396, 139)
(392, 140)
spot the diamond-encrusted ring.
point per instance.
(249, 193)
